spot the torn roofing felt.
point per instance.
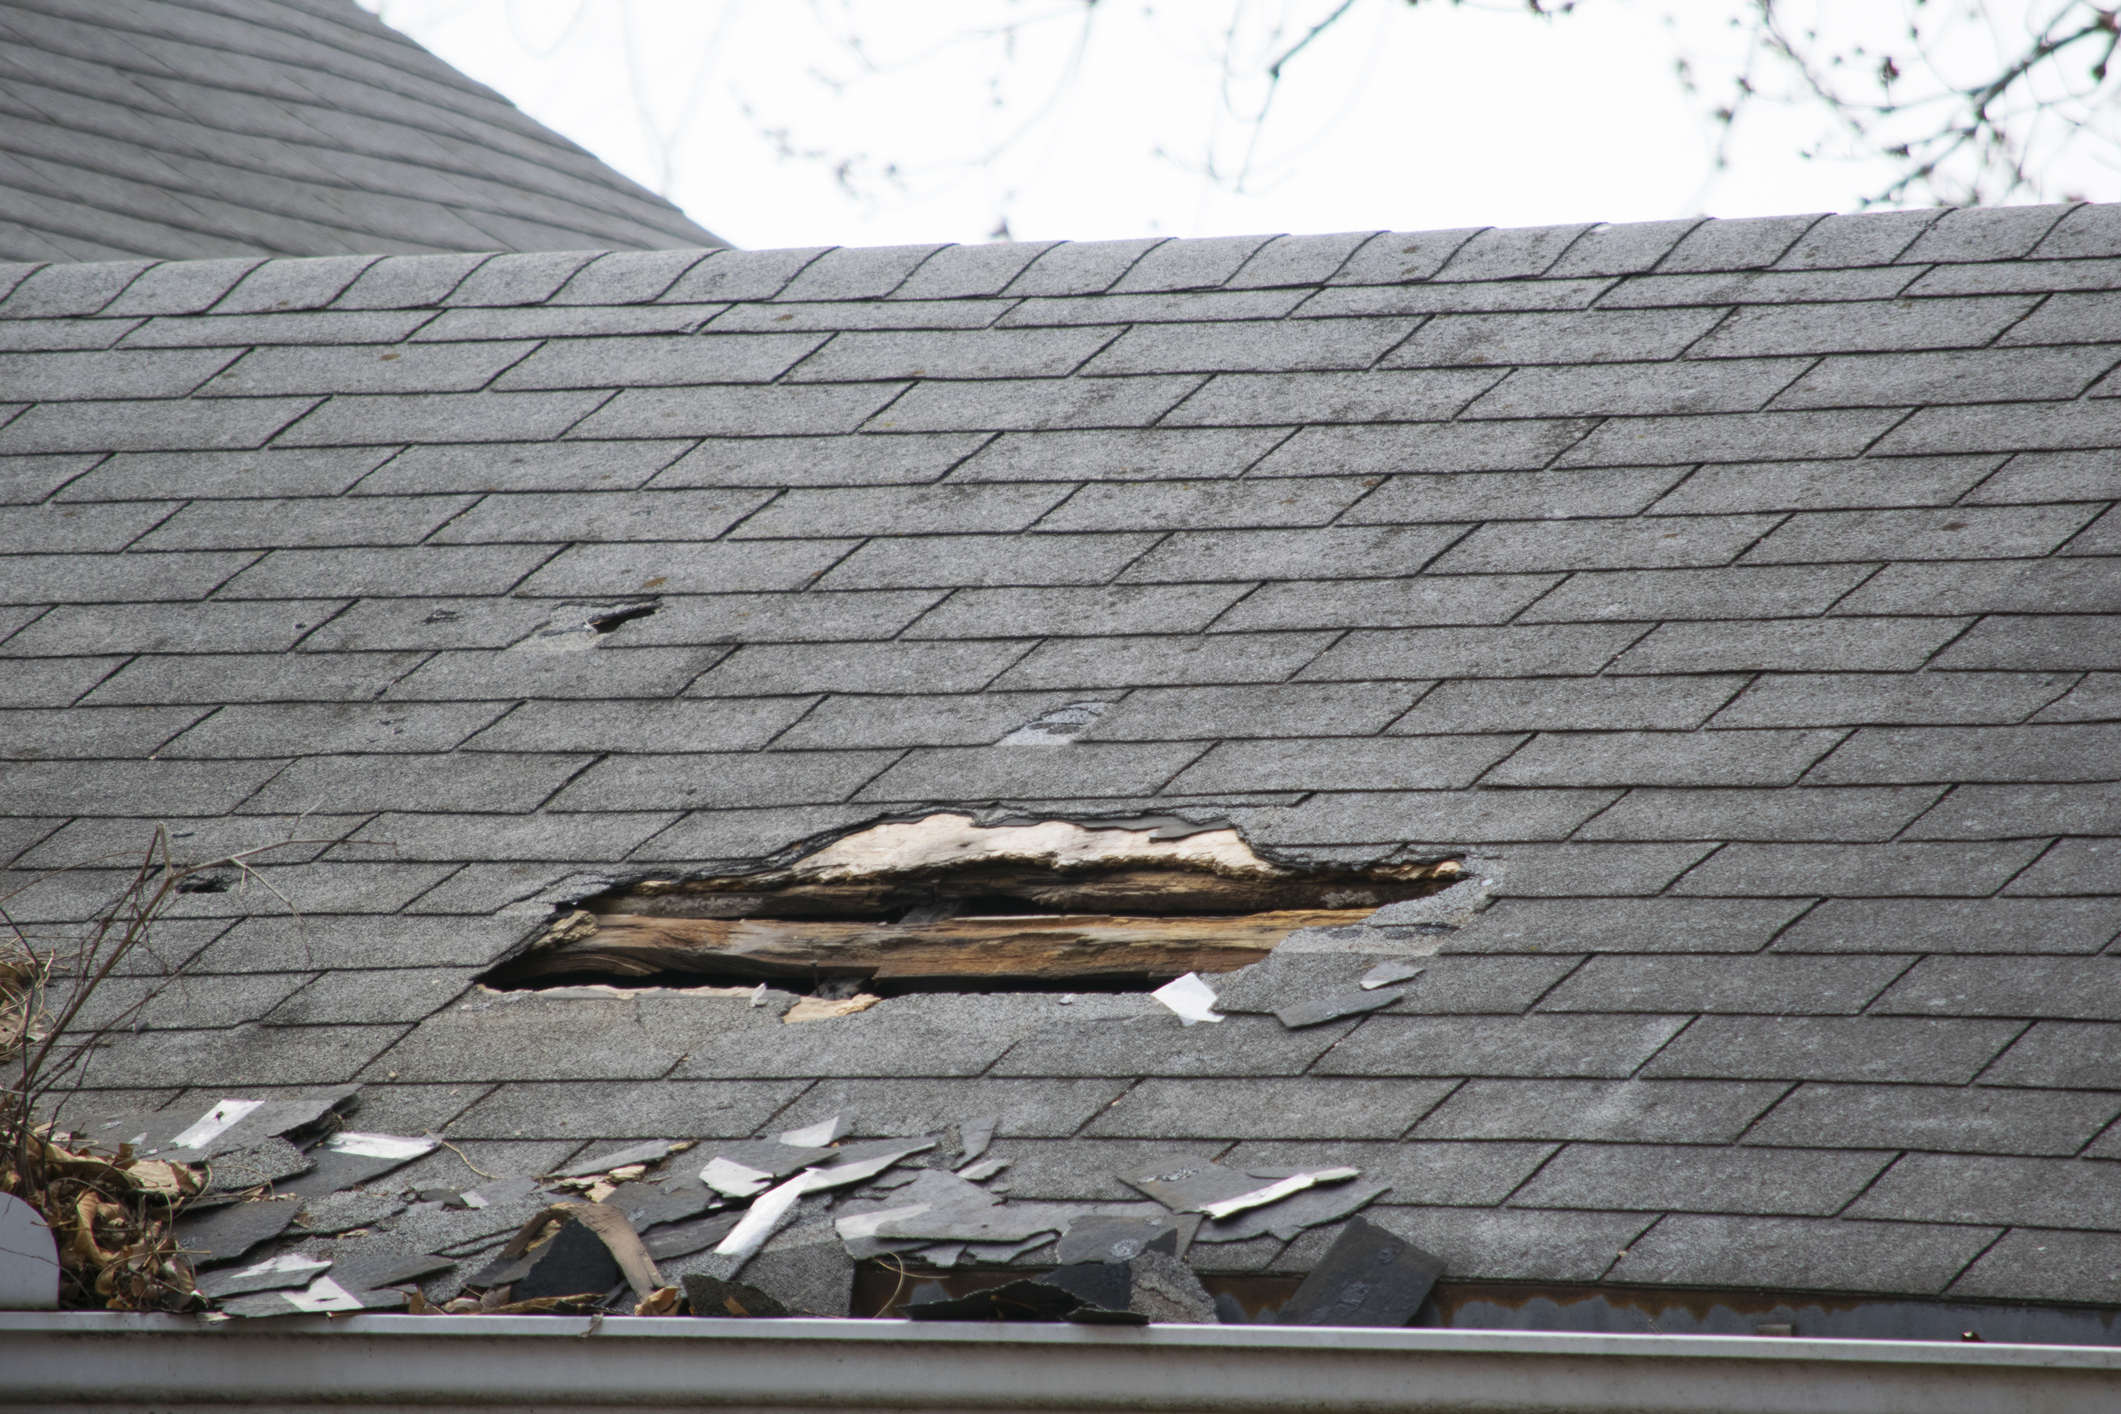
(1741, 595)
(195, 129)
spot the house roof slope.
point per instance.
(195, 129)
(1742, 595)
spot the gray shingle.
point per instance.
(1592, 336)
(408, 281)
(1247, 346)
(2071, 867)
(1024, 1108)
(1748, 592)
(81, 529)
(820, 461)
(1852, 699)
(59, 290)
(1156, 1044)
(573, 839)
(416, 782)
(1955, 376)
(1562, 704)
(517, 279)
(2029, 1263)
(1637, 1111)
(746, 834)
(110, 579)
(638, 362)
(1814, 486)
(1281, 710)
(677, 567)
(1873, 238)
(1767, 985)
(434, 417)
(1520, 495)
(1985, 1121)
(1738, 245)
(73, 377)
(843, 315)
(986, 353)
(1870, 327)
(1970, 1189)
(599, 515)
(53, 683)
(633, 277)
(150, 426)
(248, 1055)
(1507, 253)
(1681, 1178)
(1790, 645)
(1628, 389)
(2067, 1055)
(1856, 814)
(1308, 1109)
(739, 275)
(475, 673)
(1349, 552)
(891, 511)
(1340, 764)
(729, 411)
(2021, 586)
(1084, 770)
(970, 271)
(1480, 297)
(150, 787)
(2078, 642)
(1863, 871)
(78, 629)
(1561, 870)
(555, 323)
(1119, 456)
(1369, 654)
(1417, 1172)
(1596, 1047)
(1086, 612)
(1386, 603)
(1297, 260)
(1622, 249)
(208, 475)
(1079, 267)
(1985, 233)
(979, 719)
(306, 522)
(1204, 308)
(180, 287)
(292, 729)
(686, 726)
(1997, 533)
(1733, 437)
(85, 731)
(942, 561)
(293, 284)
(1833, 1048)
(1803, 1254)
(1726, 758)
(2053, 476)
(1007, 405)
(720, 1110)
(2095, 698)
(1755, 287)
(1363, 451)
(439, 569)
(1885, 756)
(857, 273)
(357, 942)
(1947, 925)
(1241, 399)
(339, 998)
(27, 480)
(2102, 537)
(716, 780)
(2073, 988)
(760, 670)
(782, 618)
(1189, 265)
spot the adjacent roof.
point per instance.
(185, 129)
(1745, 592)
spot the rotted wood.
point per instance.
(1045, 946)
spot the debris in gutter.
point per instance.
(1191, 998)
(712, 1296)
(1368, 1277)
(1390, 971)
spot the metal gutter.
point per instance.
(94, 1361)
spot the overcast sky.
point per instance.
(868, 122)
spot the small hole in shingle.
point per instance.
(205, 884)
(605, 623)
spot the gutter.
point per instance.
(106, 1362)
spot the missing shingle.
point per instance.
(942, 903)
(606, 622)
(577, 626)
(1057, 727)
(205, 884)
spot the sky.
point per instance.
(877, 122)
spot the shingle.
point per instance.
(1563, 705)
(308, 521)
(1697, 594)
(53, 683)
(747, 834)
(2036, 586)
(1418, 1172)
(686, 726)
(566, 324)
(1737, 245)
(783, 618)
(511, 839)
(714, 780)
(1771, 984)
(681, 567)
(777, 410)
(291, 729)
(1638, 1111)
(1984, 1121)
(857, 273)
(2095, 698)
(1176, 505)
(415, 782)
(293, 284)
(1642, 542)
(740, 275)
(1083, 769)
(1755, 287)
(1280, 710)
(1362, 451)
(565, 1110)
(1595, 1047)
(1297, 260)
(27, 480)
(1872, 238)
(2006, 427)
(2021, 1191)
(970, 271)
(1985, 233)
(1730, 385)
(249, 1055)
(81, 529)
(1877, 326)
(1998, 532)
(1155, 1044)
(207, 475)
(1804, 1254)
(2072, 867)
(1658, 1177)
(1851, 699)
(1480, 297)
(1563, 870)
(260, 944)
(2073, 318)
(150, 426)
(1395, 256)
(1189, 265)
(941, 561)
(656, 362)
(1813, 486)
(1202, 308)
(1858, 870)
(2101, 537)
(2035, 1265)
(1079, 267)
(2067, 1055)
(893, 511)
(627, 277)
(1622, 249)
(599, 515)
(1241, 399)
(1629, 925)
(1592, 336)
(42, 335)
(1943, 925)
(1540, 495)
(1351, 552)
(2052, 476)
(1386, 603)
(438, 569)
(1341, 764)
(90, 732)
(1509, 253)
(1833, 1048)
(757, 670)
(433, 417)
(986, 353)
(1083, 612)
(820, 461)
(2073, 988)
(1959, 376)
(1307, 1109)
(1432, 818)
(976, 719)
(617, 673)
(520, 466)
(1790, 645)
(1369, 654)
(408, 281)
(1727, 758)
(180, 287)
(77, 629)
(59, 290)
(2040, 641)
(1245, 346)
(149, 787)
(1733, 437)
(1028, 405)
(1881, 755)
(74, 377)
(2018, 277)
(104, 579)
(523, 1036)
(517, 279)
(1856, 814)
(2086, 230)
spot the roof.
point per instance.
(195, 129)
(1741, 595)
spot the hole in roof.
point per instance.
(605, 623)
(945, 904)
(205, 884)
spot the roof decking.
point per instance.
(1746, 589)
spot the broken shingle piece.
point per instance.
(1323, 1009)
(1188, 1184)
(1104, 1237)
(1368, 1277)
(343, 1212)
(267, 1161)
(654, 1151)
(975, 1135)
(1389, 971)
(983, 1170)
(348, 1160)
(273, 1274)
(322, 1295)
(227, 1233)
(684, 1238)
(816, 1136)
(712, 1296)
(1285, 1219)
(1276, 1191)
(575, 1263)
(1191, 998)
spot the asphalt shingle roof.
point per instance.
(196, 129)
(1746, 591)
